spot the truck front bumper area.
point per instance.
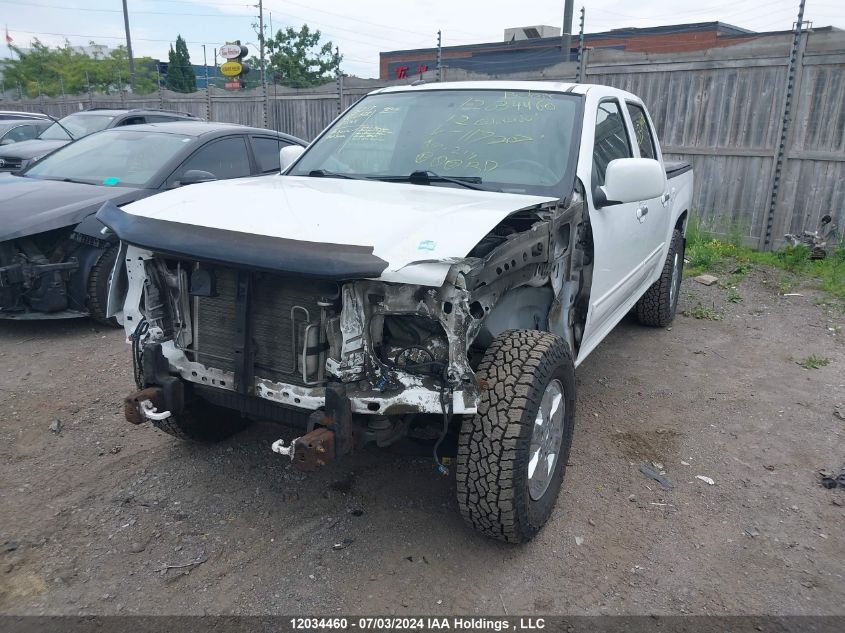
(417, 395)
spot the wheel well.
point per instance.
(681, 224)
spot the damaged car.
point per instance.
(55, 256)
(439, 260)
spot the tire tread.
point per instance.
(490, 496)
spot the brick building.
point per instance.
(527, 49)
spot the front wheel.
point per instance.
(99, 280)
(658, 305)
(512, 454)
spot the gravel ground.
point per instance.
(94, 510)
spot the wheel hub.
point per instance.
(546, 438)
(676, 279)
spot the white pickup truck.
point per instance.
(437, 262)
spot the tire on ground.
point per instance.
(204, 422)
(98, 287)
(658, 305)
(494, 445)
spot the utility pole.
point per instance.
(207, 87)
(128, 44)
(439, 55)
(566, 35)
(261, 56)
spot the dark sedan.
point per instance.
(78, 125)
(21, 129)
(55, 259)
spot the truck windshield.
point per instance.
(515, 141)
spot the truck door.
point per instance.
(656, 220)
(625, 248)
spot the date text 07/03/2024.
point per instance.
(419, 624)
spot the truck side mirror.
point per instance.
(630, 180)
(288, 156)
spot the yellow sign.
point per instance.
(231, 69)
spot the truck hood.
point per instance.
(32, 205)
(35, 148)
(320, 227)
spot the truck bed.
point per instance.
(676, 168)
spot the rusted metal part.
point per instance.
(338, 417)
(314, 449)
(132, 403)
(329, 432)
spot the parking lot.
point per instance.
(103, 517)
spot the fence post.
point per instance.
(580, 76)
(64, 97)
(793, 77)
(158, 82)
(339, 82)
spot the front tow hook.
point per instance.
(145, 405)
(314, 449)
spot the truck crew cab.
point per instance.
(441, 257)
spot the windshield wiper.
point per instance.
(325, 173)
(421, 177)
(57, 122)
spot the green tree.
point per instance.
(180, 73)
(51, 70)
(299, 59)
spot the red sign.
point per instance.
(232, 85)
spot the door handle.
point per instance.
(642, 211)
(665, 198)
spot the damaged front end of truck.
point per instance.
(325, 336)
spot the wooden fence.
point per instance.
(723, 109)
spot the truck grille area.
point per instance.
(283, 321)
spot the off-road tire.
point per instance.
(98, 287)
(494, 445)
(203, 422)
(658, 305)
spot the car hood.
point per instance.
(321, 226)
(31, 205)
(26, 150)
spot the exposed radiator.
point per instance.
(284, 315)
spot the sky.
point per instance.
(362, 28)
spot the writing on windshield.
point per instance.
(519, 139)
(479, 122)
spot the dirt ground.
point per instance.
(94, 512)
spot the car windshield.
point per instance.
(78, 125)
(114, 157)
(515, 141)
